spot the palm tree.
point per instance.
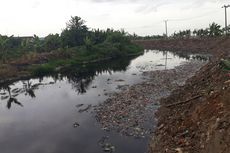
(215, 30)
(226, 29)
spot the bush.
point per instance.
(43, 70)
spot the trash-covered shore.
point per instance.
(131, 112)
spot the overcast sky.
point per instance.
(144, 17)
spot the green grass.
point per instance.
(42, 70)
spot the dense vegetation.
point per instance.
(214, 30)
(76, 44)
(75, 38)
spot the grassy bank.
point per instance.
(48, 63)
(76, 45)
(83, 55)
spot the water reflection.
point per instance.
(187, 56)
(56, 116)
(9, 95)
(79, 77)
(29, 88)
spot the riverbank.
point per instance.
(216, 46)
(195, 118)
(40, 64)
(67, 100)
(192, 116)
(133, 108)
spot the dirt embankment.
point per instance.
(216, 46)
(18, 68)
(196, 117)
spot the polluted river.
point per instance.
(101, 107)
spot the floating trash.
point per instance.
(76, 124)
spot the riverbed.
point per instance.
(56, 114)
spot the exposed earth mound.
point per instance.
(195, 118)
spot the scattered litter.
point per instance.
(131, 112)
(76, 124)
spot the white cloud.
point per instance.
(41, 17)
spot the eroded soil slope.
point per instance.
(195, 118)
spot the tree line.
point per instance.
(76, 33)
(214, 30)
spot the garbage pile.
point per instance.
(131, 112)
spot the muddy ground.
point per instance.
(192, 117)
(216, 46)
(195, 118)
(131, 112)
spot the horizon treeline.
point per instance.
(213, 30)
(75, 34)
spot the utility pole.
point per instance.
(226, 19)
(166, 28)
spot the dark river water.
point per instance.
(39, 115)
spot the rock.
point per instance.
(179, 150)
(227, 82)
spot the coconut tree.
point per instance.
(215, 30)
(226, 29)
